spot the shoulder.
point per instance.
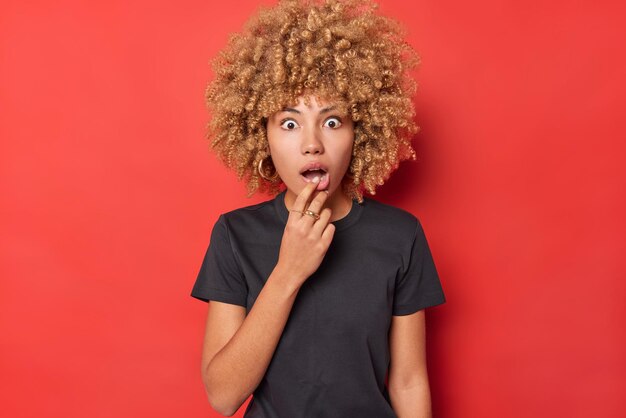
(247, 211)
(252, 221)
(390, 217)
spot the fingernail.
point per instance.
(316, 179)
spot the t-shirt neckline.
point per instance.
(340, 224)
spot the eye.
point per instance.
(288, 124)
(332, 122)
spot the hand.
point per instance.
(305, 240)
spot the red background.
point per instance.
(109, 194)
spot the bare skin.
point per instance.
(409, 389)
(314, 133)
(236, 353)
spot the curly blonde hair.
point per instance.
(339, 50)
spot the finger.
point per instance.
(327, 235)
(315, 206)
(320, 225)
(296, 213)
(304, 196)
(317, 203)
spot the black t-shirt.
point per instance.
(333, 355)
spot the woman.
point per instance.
(318, 295)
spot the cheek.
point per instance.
(342, 155)
(282, 150)
(276, 144)
(281, 156)
(346, 149)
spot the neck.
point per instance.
(338, 203)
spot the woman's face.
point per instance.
(311, 141)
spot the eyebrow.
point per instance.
(324, 110)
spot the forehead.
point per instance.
(314, 104)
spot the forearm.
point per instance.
(237, 369)
(412, 401)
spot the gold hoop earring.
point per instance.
(260, 169)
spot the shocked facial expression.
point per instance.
(308, 141)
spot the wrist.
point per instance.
(285, 280)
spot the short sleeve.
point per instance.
(418, 285)
(220, 277)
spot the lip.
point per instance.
(314, 165)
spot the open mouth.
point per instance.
(316, 170)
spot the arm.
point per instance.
(232, 374)
(238, 351)
(409, 390)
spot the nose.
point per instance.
(311, 142)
